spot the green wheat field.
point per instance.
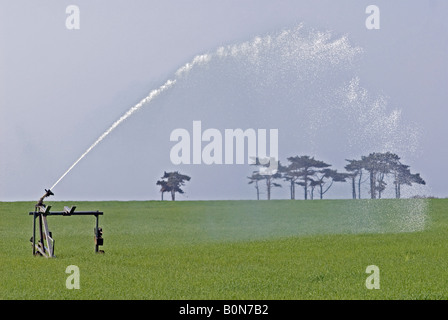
(278, 249)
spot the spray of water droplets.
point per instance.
(290, 42)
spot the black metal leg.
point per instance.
(96, 234)
(34, 234)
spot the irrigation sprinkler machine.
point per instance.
(45, 245)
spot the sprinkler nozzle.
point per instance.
(48, 193)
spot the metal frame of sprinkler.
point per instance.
(45, 246)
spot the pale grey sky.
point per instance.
(61, 89)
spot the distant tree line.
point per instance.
(316, 177)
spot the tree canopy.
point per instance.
(172, 182)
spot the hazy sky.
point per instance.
(60, 89)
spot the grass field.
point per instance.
(278, 249)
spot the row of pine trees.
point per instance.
(316, 177)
